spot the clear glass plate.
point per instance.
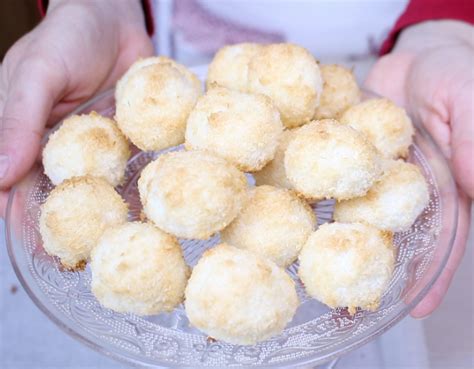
(316, 334)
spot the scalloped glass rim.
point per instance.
(382, 326)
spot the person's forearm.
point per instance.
(130, 11)
(438, 33)
(422, 11)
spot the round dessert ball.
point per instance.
(340, 91)
(192, 194)
(273, 173)
(153, 101)
(86, 145)
(137, 268)
(145, 62)
(393, 203)
(386, 125)
(290, 76)
(153, 60)
(240, 127)
(75, 215)
(235, 296)
(275, 224)
(328, 160)
(347, 265)
(229, 67)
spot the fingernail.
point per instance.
(4, 164)
(421, 317)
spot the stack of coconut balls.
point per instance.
(273, 111)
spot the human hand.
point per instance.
(78, 50)
(430, 73)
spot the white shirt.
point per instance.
(342, 31)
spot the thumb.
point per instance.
(388, 76)
(33, 89)
(462, 139)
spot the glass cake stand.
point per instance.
(317, 334)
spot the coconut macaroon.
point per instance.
(347, 265)
(328, 160)
(340, 91)
(236, 296)
(290, 76)
(88, 144)
(229, 67)
(145, 62)
(386, 125)
(75, 215)
(393, 203)
(275, 224)
(137, 268)
(153, 101)
(192, 194)
(273, 173)
(242, 128)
